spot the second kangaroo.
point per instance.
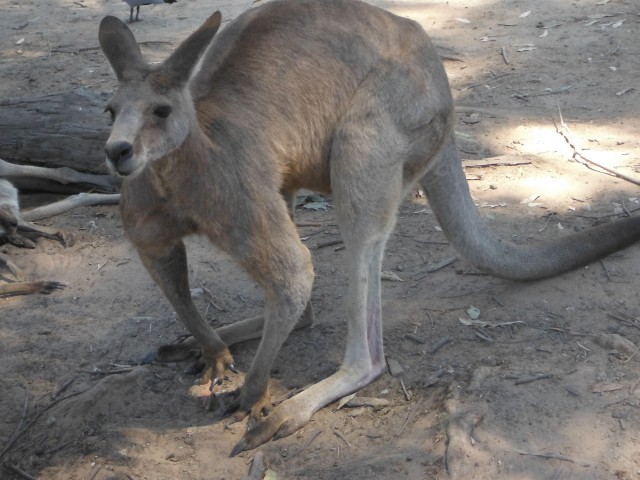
(329, 95)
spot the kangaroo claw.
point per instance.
(266, 423)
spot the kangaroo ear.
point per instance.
(183, 60)
(120, 47)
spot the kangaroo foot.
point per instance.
(271, 424)
(230, 403)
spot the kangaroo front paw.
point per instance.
(210, 367)
(215, 368)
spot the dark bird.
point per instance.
(138, 3)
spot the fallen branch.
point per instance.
(533, 378)
(18, 428)
(504, 55)
(305, 446)
(500, 161)
(579, 157)
(20, 473)
(554, 456)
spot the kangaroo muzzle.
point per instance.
(118, 154)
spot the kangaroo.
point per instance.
(10, 223)
(330, 95)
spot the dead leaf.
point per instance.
(607, 387)
(622, 92)
(395, 369)
(525, 14)
(343, 401)
(473, 312)
(463, 20)
(20, 42)
(390, 277)
(530, 199)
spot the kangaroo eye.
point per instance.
(162, 111)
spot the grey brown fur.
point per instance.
(330, 95)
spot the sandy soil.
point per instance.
(546, 386)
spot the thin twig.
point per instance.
(330, 243)
(504, 55)
(410, 416)
(19, 472)
(341, 436)
(305, 446)
(555, 456)
(17, 431)
(533, 378)
(577, 154)
(211, 299)
(606, 272)
(407, 395)
(632, 355)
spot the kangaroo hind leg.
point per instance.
(363, 155)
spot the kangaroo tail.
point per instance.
(448, 193)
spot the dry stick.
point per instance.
(484, 83)
(341, 436)
(622, 320)
(606, 272)
(329, 244)
(407, 395)
(20, 473)
(305, 446)
(504, 55)
(533, 378)
(16, 431)
(312, 224)
(211, 299)
(555, 456)
(95, 471)
(487, 162)
(438, 344)
(577, 155)
(36, 417)
(410, 417)
(632, 355)
(544, 227)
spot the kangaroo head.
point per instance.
(152, 109)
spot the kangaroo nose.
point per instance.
(118, 151)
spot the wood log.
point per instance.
(64, 129)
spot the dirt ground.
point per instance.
(542, 384)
